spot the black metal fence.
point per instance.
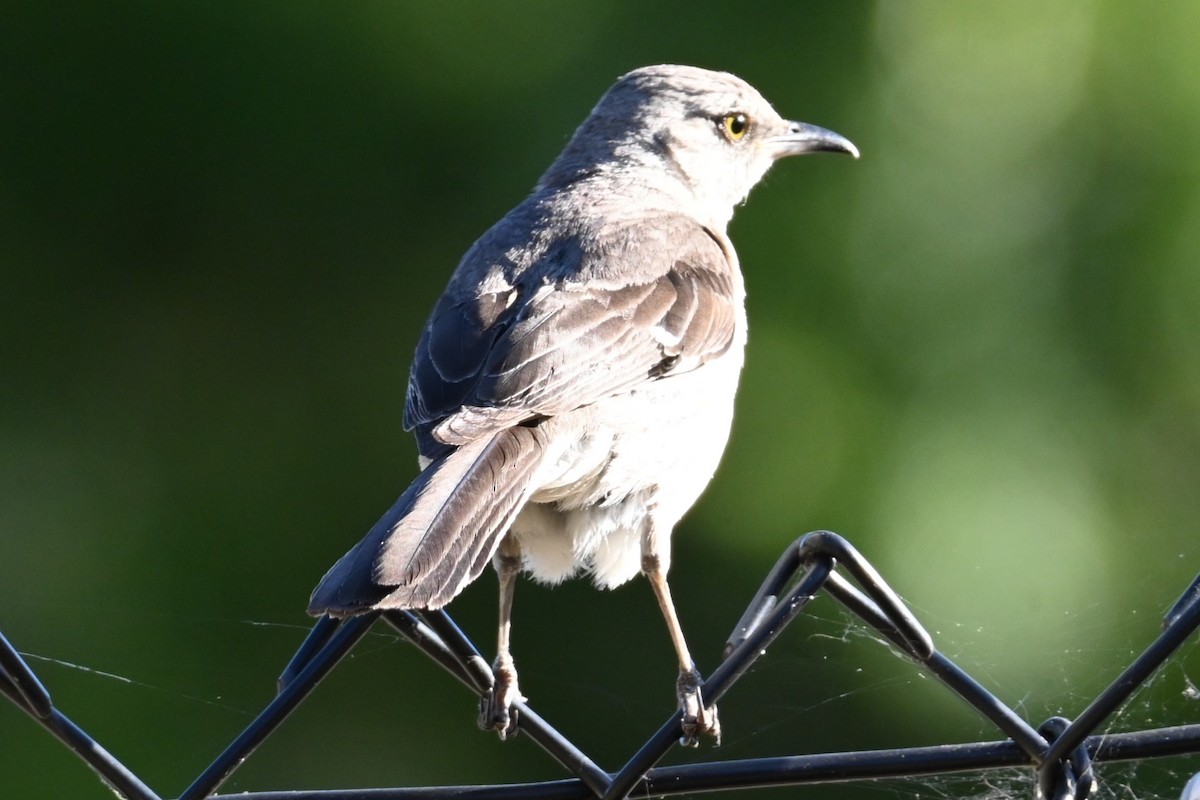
(1062, 754)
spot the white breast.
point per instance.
(631, 461)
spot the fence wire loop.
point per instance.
(875, 598)
(1069, 779)
(1062, 753)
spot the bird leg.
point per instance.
(496, 707)
(697, 719)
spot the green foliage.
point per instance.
(975, 353)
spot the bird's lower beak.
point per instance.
(804, 138)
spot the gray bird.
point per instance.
(573, 388)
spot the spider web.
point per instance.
(844, 665)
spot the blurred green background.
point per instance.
(975, 353)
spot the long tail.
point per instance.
(441, 533)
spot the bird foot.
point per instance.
(698, 720)
(497, 707)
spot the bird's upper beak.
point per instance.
(800, 138)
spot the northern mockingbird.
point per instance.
(573, 388)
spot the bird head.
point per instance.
(701, 138)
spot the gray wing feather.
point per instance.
(441, 533)
(572, 342)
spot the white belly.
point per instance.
(627, 463)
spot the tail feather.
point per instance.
(473, 560)
(441, 533)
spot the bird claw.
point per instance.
(698, 720)
(497, 707)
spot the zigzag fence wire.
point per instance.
(1061, 753)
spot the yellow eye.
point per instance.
(735, 126)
